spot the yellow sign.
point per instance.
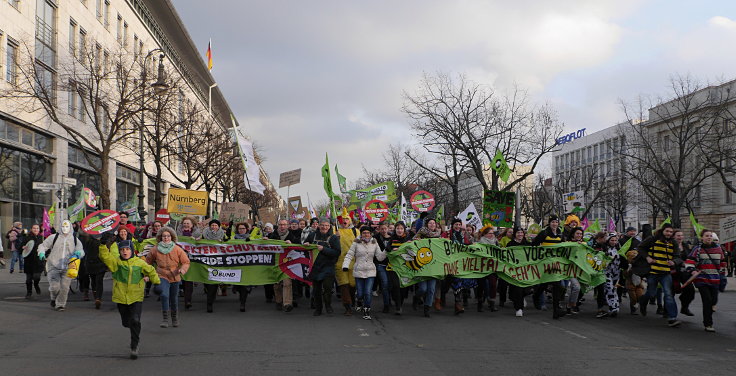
(185, 201)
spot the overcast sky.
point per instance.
(307, 78)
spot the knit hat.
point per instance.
(125, 244)
(630, 228)
(215, 221)
(366, 228)
(552, 218)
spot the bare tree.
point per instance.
(540, 202)
(457, 114)
(103, 94)
(666, 148)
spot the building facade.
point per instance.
(35, 149)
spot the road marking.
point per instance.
(363, 332)
(570, 332)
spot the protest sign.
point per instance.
(290, 178)
(521, 266)
(573, 201)
(470, 216)
(376, 210)
(422, 201)
(186, 201)
(385, 192)
(100, 221)
(498, 208)
(234, 211)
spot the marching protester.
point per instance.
(307, 230)
(425, 291)
(345, 279)
(516, 293)
(363, 250)
(680, 274)
(33, 266)
(283, 290)
(322, 274)
(607, 293)
(384, 242)
(551, 235)
(655, 260)
(58, 250)
(241, 231)
(491, 285)
(15, 240)
(171, 263)
(92, 270)
(460, 285)
(124, 222)
(213, 232)
(398, 294)
(707, 265)
(188, 228)
(573, 284)
(129, 274)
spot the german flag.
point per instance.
(209, 55)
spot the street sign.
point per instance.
(69, 181)
(290, 178)
(163, 216)
(728, 229)
(42, 186)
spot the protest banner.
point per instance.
(498, 208)
(289, 178)
(470, 216)
(573, 201)
(385, 192)
(422, 201)
(240, 262)
(525, 266)
(376, 211)
(186, 201)
(234, 211)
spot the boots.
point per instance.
(86, 296)
(28, 291)
(366, 313)
(98, 303)
(398, 310)
(492, 305)
(38, 288)
(348, 310)
(426, 311)
(459, 308)
(165, 321)
(175, 319)
(480, 306)
(438, 304)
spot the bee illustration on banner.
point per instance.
(416, 260)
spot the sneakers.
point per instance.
(60, 309)
(134, 353)
(367, 314)
(686, 312)
(601, 314)
(175, 319)
(673, 323)
(165, 321)
(710, 329)
(519, 313)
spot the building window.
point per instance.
(98, 57)
(728, 195)
(77, 157)
(106, 62)
(120, 29)
(45, 33)
(125, 34)
(136, 51)
(82, 44)
(106, 14)
(98, 9)
(17, 134)
(24, 169)
(72, 100)
(11, 62)
(72, 37)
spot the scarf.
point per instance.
(165, 248)
(213, 235)
(366, 240)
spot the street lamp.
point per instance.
(159, 87)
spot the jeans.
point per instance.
(169, 295)
(130, 315)
(426, 289)
(364, 286)
(709, 295)
(669, 300)
(382, 275)
(16, 256)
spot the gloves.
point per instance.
(157, 289)
(42, 256)
(77, 254)
(344, 269)
(107, 238)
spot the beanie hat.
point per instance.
(215, 221)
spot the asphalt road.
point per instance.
(36, 340)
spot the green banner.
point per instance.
(521, 266)
(385, 192)
(240, 262)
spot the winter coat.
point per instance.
(168, 265)
(549, 237)
(196, 233)
(347, 236)
(31, 262)
(659, 249)
(91, 261)
(63, 249)
(710, 261)
(127, 276)
(363, 253)
(324, 264)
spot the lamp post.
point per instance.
(159, 87)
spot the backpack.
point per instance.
(56, 237)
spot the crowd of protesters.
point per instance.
(352, 266)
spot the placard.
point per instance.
(186, 201)
(290, 178)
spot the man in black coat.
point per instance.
(322, 274)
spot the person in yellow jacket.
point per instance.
(129, 275)
(345, 279)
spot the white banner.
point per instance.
(728, 229)
(224, 275)
(470, 216)
(572, 200)
(252, 171)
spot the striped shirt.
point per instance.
(709, 259)
(662, 251)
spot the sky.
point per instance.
(307, 78)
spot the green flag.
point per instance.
(440, 213)
(696, 226)
(622, 251)
(328, 186)
(667, 220)
(76, 211)
(500, 166)
(52, 213)
(341, 181)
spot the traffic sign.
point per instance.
(69, 181)
(43, 186)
